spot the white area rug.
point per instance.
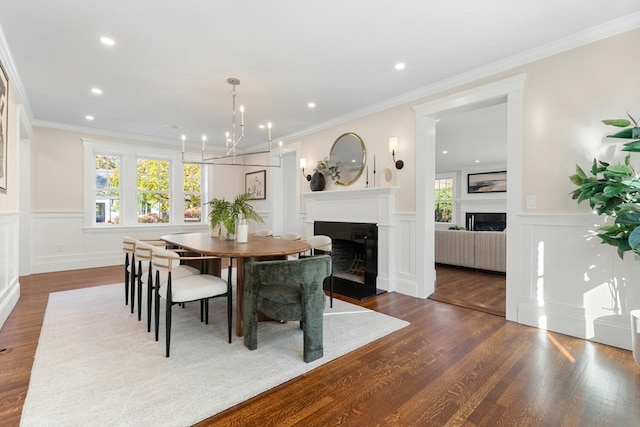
(96, 365)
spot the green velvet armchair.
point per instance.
(287, 290)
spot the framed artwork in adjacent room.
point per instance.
(4, 124)
(487, 182)
(255, 183)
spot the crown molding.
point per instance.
(15, 81)
(603, 31)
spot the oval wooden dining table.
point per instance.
(259, 248)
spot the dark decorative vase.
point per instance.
(317, 182)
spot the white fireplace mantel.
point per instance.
(365, 205)
(370, 205)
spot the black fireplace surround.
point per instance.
(355, 257)
(486, 221)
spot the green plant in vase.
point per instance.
(226, 214)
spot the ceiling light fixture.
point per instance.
(89, 117)
(107, 41)
(232, 140)
(400, 66)
(96, 91)
(311, 105)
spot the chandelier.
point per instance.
(232, 140)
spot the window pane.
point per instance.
(107, 194)
(443, 200)
(192, 192)
(153, 191)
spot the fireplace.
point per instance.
(355, 257)
(486, 221)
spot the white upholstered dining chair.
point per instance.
(195, 287)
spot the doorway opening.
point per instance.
(509, 90)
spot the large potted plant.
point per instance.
(223, 213)
(614, 191)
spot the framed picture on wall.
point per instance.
(4, 124)
(487, 182)
(255, 183)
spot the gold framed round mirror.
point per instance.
(348, 151)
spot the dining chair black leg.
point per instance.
(134, 277)
(206, 311)
(139, 292)
(157, 306)
(149, 298)
(167, 332)
(127, 273)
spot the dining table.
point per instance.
(257, 247)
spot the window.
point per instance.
(132, 185)
(192, 192)
(443, 200)
(107, 189)
(152, 191)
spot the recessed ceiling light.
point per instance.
(261, 126)
(89, 117)
(107, 41)
(311, 105)
(444, 151)
(96, 91)
(400, 66)
(477, 161)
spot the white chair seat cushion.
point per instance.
(192, 288)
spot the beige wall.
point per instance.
(565, 97)
(375, 131)
(57, 171)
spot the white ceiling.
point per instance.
(167, 73)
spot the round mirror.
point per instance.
(349, 154)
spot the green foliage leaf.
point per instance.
(613, 190)
(576, 179)
(624, 133)
(634, 238)
(622, 170)
(632, 218)
(632, 146)
(617, 122)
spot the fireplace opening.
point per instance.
(486, 221)
(354, 257)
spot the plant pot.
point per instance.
(317, 182)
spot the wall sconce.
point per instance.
(303, 165)
(393, 147)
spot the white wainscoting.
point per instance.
(60, 241)
(566, 281)
(571, 283)
(9, 264)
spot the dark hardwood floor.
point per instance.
(477, 290)
(452, 366)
